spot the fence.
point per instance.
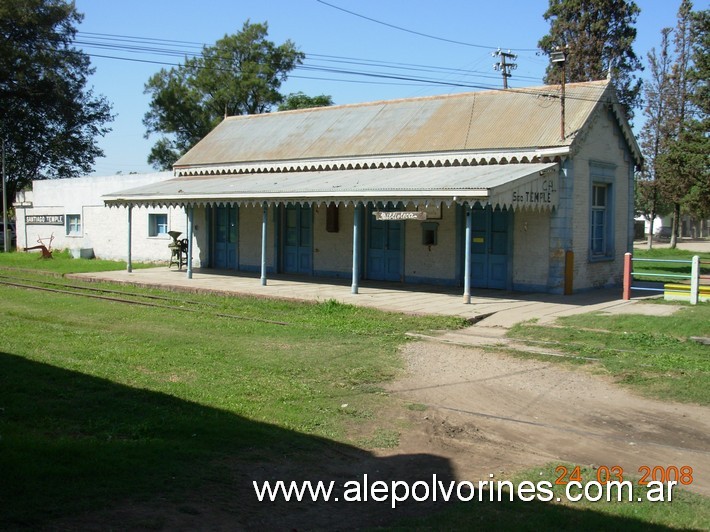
(693, 289)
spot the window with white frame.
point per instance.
(73, 224)
(157, 224)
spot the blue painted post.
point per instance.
(129, 261)
(356, 248)
(190, 224)
(467, 258)
(264, 218)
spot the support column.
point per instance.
(467, 258)
(356, 248)
(264, 219)
(628, 268)
(129, 261)
(190, 225)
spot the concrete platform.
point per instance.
(492, 308)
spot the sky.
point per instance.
(446, 41)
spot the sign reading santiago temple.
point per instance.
(45, 219)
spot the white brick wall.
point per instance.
(333, 252)
(432, 262)
(531, 234)
(603, 143)
(250, 219)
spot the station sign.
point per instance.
(44, 219)
(396, 216)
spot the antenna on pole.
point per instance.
(560, 56)
(503, 65)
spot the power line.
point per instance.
(140, 39)
(144, 45)
(409, 80)
(410, 67)
(400, 28)
(382, 75)
(137, 45)
(379, 75)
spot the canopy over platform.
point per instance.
(508, 185)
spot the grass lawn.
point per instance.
(673, 268)
(100, 401)
(62, 263)
(652, 354)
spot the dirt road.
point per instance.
(490, 412)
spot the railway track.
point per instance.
(124, 296)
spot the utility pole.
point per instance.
(504, 65)
(560, 56)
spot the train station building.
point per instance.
(498, 189)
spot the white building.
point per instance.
(73, 212)
(486, 189)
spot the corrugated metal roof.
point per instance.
(417, 185)
(515, 119)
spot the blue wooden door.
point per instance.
(479, 246)
(225, 238)
(384, 253)
(298, 239)
(490, 233)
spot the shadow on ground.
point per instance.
(80, 452)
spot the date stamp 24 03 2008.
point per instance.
(656, 482)
(682, 475)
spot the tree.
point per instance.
(240, 74)
(299, 100)
(698, 131)
(50, 120)
(598, 36)
(649, 202)
(656, 133)
(683, 165)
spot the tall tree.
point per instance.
(683, 165)
(656, 133)
(50, 120)
(598, 36)
(240, 74)
(699, 127)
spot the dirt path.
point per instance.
(489, 412)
